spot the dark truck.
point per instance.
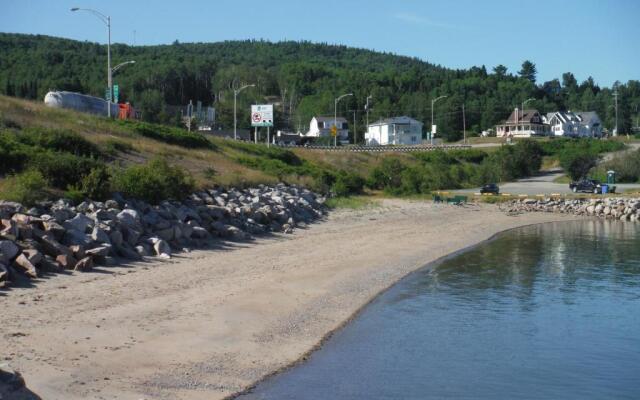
(586, 185)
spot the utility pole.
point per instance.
(335, 116)
(464, 126)
(432, 103)
(355, 131)
(235, 112)
(615, 96)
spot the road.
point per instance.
(543, 184)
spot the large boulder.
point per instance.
(100, 236)
(8, 251)
(80, 222)
(23, 264)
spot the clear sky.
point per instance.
(587, 37)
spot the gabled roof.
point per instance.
(525, 116)
(330, 119)
(397, 120)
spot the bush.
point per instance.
(26, 188)
(97, 184)
(154, 182)
(59, 141)
(347, 183)
(177, 136)
(75, 194)
(387, 175)
(63, 169)
(113, 147)
(577, 164)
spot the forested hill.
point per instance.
(302, 77)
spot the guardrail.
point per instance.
(383, 149)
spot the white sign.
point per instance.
(433, 129)
(262, 115)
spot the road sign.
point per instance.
(333, 130)
(433, 129)
(116, 93)
(107, 94)
(262, 115)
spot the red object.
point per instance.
(126, 111)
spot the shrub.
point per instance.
(387, 175)
(177, 136)
(347, 183)
(75, 194)
(114, 146)
(63, 169)
(27, 188)
(97, 184)
(577, 164)
(60, 141)
(154, 181)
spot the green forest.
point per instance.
(302, 79)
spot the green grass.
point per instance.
(352, 202)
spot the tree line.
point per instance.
(302, 79)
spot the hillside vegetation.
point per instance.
(49, 152)
(304, 78)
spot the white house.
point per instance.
(523, 123)
(320, 127)
(398, 130)
(574, 124)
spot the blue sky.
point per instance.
(587, 37)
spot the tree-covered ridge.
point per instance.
(303, 77)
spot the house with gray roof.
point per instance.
(321, 127)
(574, 124)
(396, 131)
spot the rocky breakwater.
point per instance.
(623, 209)
(56, 236)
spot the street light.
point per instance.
(432, 103)
(335, 116)
(235, 117)
(117, 67)
(367, 108)
(107, 21)
(523, 104)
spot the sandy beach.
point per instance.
(209, 324)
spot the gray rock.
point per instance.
(116, 238)
(129, 217)
(80, 222)
(161, 248)
(165, 234)
(8, 251)
(100, 236)
(23, 264)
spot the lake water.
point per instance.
(543, 312)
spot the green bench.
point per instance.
(457, 200)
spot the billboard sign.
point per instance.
(262, 115)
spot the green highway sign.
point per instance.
(116, 93)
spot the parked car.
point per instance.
(490, 188)
(586, 185)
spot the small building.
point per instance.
(523, 123)
(398, 130)
(320, 127)
(574, 124)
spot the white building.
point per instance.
(574, 124)
(320, 127)
(523, 123)
(398, 130)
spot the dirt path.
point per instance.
(211, 323)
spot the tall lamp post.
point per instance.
(524, 103)
(117, 67)
(432, 103)
(367, 108)
(235, 115)
(335, 116)
(107, 21)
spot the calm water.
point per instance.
(544, 312)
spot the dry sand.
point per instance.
(209, 324)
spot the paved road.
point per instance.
(542, 184)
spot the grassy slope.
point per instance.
(222, 158)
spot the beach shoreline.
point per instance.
(212, 324)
